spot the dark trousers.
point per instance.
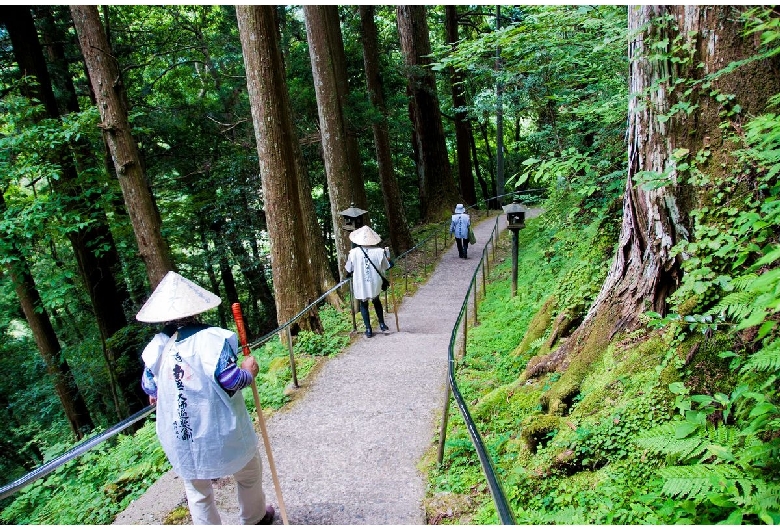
(463, 246)
(363, 305)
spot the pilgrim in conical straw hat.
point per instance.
(176, 297)
(365, 237)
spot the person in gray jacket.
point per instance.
(459, 227)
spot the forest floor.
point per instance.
(348, 446)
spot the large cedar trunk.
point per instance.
(294, 284)
(313, 237)
(438, 194)
(339, 145)
(400, 236)
(109, 91)
(462, 125)
(645, 270)
(95, 268)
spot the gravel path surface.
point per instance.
(347, 448)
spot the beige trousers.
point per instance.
(251, 497)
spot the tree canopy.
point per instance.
(135, 139)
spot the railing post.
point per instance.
(475, 287)
(292, 357)
(444, 420)
(484, 283)
(465, 328)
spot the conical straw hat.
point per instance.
(364, 236)
(176, 297)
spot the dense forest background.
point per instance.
(223, 142)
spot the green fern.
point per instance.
(765, 360)
(664, 440)
(704, 442)
(738, 304)
(697, 481)
(727, 436)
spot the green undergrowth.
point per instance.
(574, 468)
(663, 425)
(674, 422)
(100, 484)
(508, 410)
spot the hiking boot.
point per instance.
(268, 518)
(369, 333)
(384, 328)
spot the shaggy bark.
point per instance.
(400, 236)
(294, 284)
(438, 193)
(339, 143)
(462, 124)
(646, 270)
(106, 82)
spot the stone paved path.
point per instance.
(347, 448)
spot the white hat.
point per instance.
(364, 236)
(459, 208)
(176, 297)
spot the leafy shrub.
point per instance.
(94, 488)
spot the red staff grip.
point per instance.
(239, 318)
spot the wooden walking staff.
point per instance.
(395, 306)
(392, 292)
(239, 318)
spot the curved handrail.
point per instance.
(496, 490)
(81, 448)
(495, 487)
(73, 452)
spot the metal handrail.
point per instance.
(496, 490)
(74, 452)
(81, 448)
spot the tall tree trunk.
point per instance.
(462, 125)
(208, 264)
(492, 204)
(73, 404)
(253, 269)
(339, 145)
(492, 165)
(400, 235)
(106, 81)
(96, 268)
(294, 284)
(645, 270)
(438, 193)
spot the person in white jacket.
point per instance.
(367, 264)
(459, 227)
(191, 373)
